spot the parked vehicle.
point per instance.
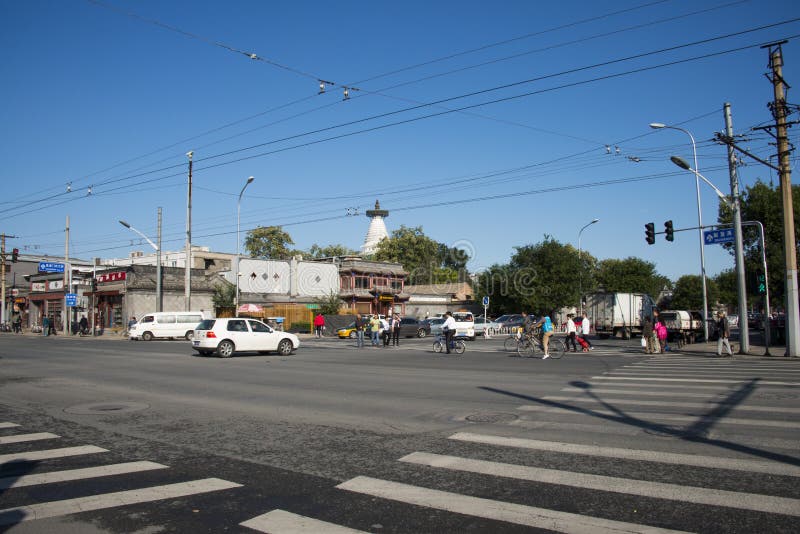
(618, 314)
(348, 331)
(230, 335)
(434, 325)
(169, 325)
(410, 327)
(512, 320)
(482, 324)
(465, 325)
(733, 320)
(682, 325)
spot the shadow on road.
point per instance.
(696, 432)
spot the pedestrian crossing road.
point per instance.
(663, 444)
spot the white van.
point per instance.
(465, 325)
(166, 325)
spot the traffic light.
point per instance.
(669, 231)
(761, 283)
(14, 255)
(650, 233)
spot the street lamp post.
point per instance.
(658, 126)
(158, 256)
(580, 270)
(238, 243)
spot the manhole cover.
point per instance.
(491, 417)
(106, 408)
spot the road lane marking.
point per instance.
(713, 462)
(11, 516)
(649, 416)
(672, 404)
(8, 425)
(708, 380)
(77, 474)
(289, 523)
(744, 375)
(518, 514)
(645, 392)
(49, 454)
(628, 486)
(21, 438)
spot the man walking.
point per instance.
(586, 327)
(360, 324)
(571, 332)
(724, 332)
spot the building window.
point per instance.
(362, 282)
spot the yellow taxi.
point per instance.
(348, 331)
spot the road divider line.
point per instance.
(713, 462)
(672, 404)
(11, 516)
(78, 474)
(649, 416)
(22, 438)
(49, 454)
(289, 523)
(627, 486)
(707, 380)
(518, 514)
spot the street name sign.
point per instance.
(72, 299)
(716, 237)
(50, 267)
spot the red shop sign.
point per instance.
(111, 277)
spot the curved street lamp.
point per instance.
(157, 248)
(580, 271)
(659, 126)
(238, 243)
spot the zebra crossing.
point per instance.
(14, 474)
(723, 482)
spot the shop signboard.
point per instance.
(40, 287)
(111, 277)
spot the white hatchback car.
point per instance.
(226, 336)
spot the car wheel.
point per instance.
(421, 333)
(226, 348)
(353, 334)
(285, 347)
(188, 335)
(147, 336)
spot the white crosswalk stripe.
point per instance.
(283, 522)
(40, 510)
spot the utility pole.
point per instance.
(3, 275)
(65, 316)
(188, 266)
(159, 291)
(789, 245)
(744, 333)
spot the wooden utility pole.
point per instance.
(779, 111)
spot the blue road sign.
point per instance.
(50, 267)
(72, 299)
(716, 237)
(485, 301)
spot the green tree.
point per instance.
(726, 286)
(544, 276)
(688, 292)
(762, 202)
(426, 260)
(631, 275)
(224, 295)
(268, 242)
(330, 251)
(330, 304)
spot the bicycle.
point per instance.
(530, 342)
(511, 342)
(456, 345)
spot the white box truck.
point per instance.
(618, 314)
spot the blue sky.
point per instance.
(484, 123)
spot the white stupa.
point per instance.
(376, 230)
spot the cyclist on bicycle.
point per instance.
(449, 330)
(546, 325)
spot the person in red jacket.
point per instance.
(319, 324)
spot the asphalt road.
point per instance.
(119, 436)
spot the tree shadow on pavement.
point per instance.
(696, 432)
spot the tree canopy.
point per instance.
(330, 251)
(268, 242)
(631, 275)
(427, 261)
(688, 292)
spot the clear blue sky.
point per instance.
(112, 96)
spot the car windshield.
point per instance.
(206, 324)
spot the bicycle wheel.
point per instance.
(438, 346)
(510, 344)
(526, 348)
(460, 347)
(556, 348)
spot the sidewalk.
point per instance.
(710, 350)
